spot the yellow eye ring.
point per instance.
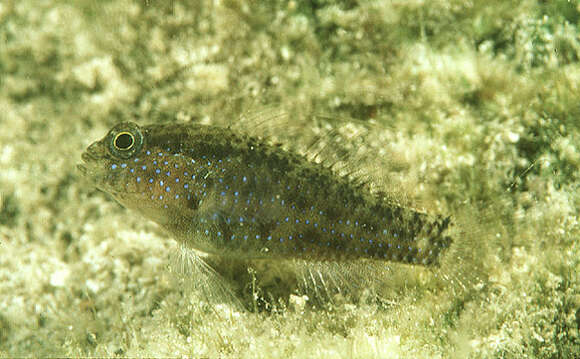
(124, 141)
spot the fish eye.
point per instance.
(125, 140)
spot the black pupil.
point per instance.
(124, 141)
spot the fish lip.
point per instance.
(93, 153)
(88, 172)
(90, 160)
(88, 165)
(86, 157)
(90, 154)
(82, 169)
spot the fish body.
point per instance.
(233, 195)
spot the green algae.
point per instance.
(476, 98)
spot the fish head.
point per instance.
(109, 163)
(136, 166)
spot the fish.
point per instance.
(232, 195)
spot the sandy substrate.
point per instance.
(473, 104)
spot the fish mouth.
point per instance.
(82, 169)
(92, 153)
(90, 166)
(92, 169)
(87, 157)
(89, 172)
(94, 175)
(91, 158)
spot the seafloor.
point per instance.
(475, 102)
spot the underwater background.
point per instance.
(475, 111)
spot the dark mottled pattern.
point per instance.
(229, 194)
